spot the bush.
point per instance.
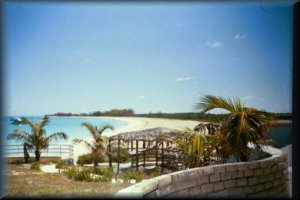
(155, 173)
(77, 174)
(124, 156)
(60, 165)
(71, 172)
(90, 174)
(35, 166)
(104, 174)
(127, 176)
(85, 159)
(88, 159)
(83, 175)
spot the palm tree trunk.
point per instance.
(95, 162)
(37, 155)
(26, 154)
(244, 157)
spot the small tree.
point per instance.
(98, 146)
(243, 125)
(37, 139)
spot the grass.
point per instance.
(21, 181)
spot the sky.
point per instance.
(151, 57)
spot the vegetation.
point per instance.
(29, 184)
(113, 112)
(35, 165)
(198, 149)
(88, 159)
(37, 139)
(242, 126)
(208, 117)
(90, 174)
(61, 165)
(194, 149)
(127, 176)
(98, 146)
(124, 156)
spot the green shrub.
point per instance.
(60, 165)
(71, 172)
(124, 156)
(83, 175)
(127, 176)
(79, 174)
(103, 174)
(88, 159)
(85, 159)
(35, 165)
(90, 174)
(155, 173)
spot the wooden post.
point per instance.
(109, 153)
(162, 157)
(144, 154)
(156, 154)
(118, 155)
(137, 155)
(131, 155)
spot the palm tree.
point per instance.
(242, 125)
(37, 139)
(98, 146)
(197, 148)
(194, 148)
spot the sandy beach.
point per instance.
(135, 124)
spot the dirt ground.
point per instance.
(21, 181)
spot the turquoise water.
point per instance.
(70, 125)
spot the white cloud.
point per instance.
(187, 78)
(214, 44)
(247, 97)
(238, 36)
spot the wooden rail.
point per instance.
(55, 150)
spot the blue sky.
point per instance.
(83, 57)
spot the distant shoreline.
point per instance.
(285, 121)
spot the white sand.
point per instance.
(135, 124)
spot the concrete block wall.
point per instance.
(262, 178)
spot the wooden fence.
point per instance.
(63, 151)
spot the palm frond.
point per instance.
(19, 135)
(44, 121)
(210, 127)
(102, 129)
(22, 120)
(210, 102)
(87, 144)
(56, 136)
(91, 128)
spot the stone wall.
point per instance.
(262, 178)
